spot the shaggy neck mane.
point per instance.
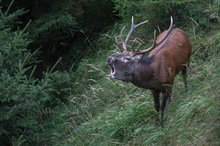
(148, 60)
(143, 71)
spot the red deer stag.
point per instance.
(170, 54)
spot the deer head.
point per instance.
(123, 65)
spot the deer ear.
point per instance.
(138, 57)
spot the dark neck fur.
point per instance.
(148, 60)
(144, 72)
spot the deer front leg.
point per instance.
(166, 98)
(156, 100)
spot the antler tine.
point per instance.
(122, 38)
(122, 44)
(133, 27)
(149, 49)
(131, 30)
(117, 42)
(154, 42)
(132, 46)
(168, 31)
(136, 40)
(141, 23)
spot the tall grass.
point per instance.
(110, 112)
(193, 117)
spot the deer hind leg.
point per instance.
(185, 74)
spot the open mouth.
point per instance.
(111, 68)
(112, 74)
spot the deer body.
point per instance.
(167, 60)
(170, 54)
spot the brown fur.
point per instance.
(170, 57)
(158, 71)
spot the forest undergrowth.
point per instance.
(118, 113)
(54, 77)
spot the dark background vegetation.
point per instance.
(54, 88)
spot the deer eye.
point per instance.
(127, 58)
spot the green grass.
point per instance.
(109, 112)
(193, 117)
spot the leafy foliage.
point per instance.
(29, 108)
(81, 106)
(58, 22)
(159, 11)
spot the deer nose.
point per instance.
(109, 59)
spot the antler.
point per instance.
(122, 38)
(154, 41)
(133, 27)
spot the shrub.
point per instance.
(31, 110)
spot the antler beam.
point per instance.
(154, 41)
(133, 27)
